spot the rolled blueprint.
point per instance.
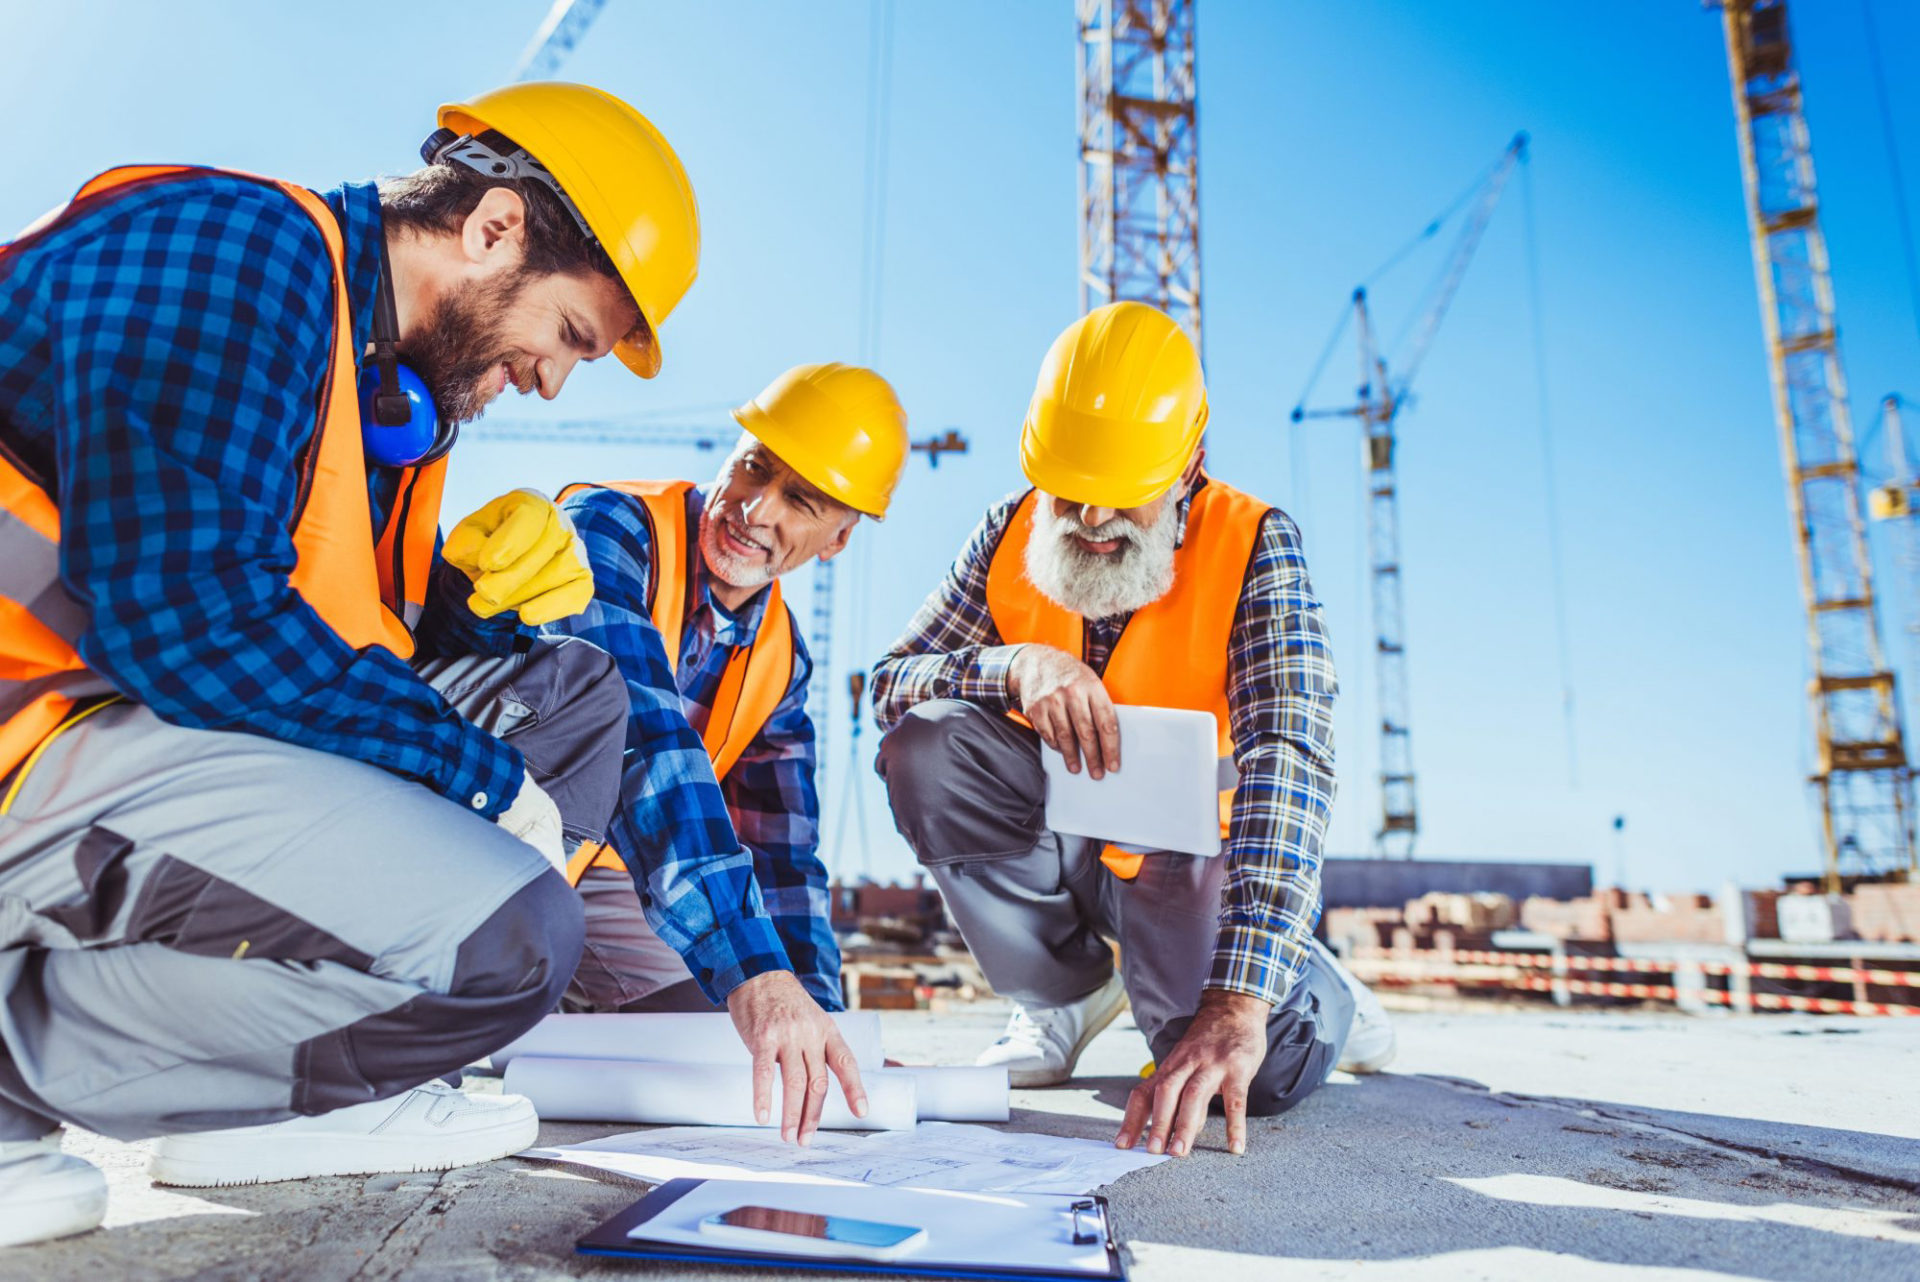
(671, 1038)
(609, 1090)
(966, 1094)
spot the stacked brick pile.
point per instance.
(1682, 919)
(1569, 918)
(1886, 914)
(1432, 921)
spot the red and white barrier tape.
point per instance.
(1657, 966)
(1472, 968)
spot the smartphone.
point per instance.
(810, 1233)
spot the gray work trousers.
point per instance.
(625, 966)
(202, 929)
(1036, 907)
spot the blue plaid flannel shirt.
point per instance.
(732, 913)
(1280, 692)
(161, 358)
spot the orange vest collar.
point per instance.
(756, 677)
(368, 596)
(1172, 653)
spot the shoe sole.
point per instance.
(53, 1214)
(1375, 1062)
(226, 1163)
(1027, 1079)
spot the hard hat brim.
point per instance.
(548, 141)
(793, 451)
(1080, 477)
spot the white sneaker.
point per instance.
(429, 1128)
(1043, 1043)
(45, 1193)
(1370, 1042)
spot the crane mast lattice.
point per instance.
(1861, 778)
(1139, 157)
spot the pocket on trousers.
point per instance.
(100, 865)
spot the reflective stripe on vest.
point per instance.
(1172, 653)
(756, 676)
(368, 594)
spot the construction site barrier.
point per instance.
(1481, 968)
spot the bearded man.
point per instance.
(1129, 575)
(284, 789)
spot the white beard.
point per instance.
(725, 565)
(1097, 586)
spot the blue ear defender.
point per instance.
(399, 425)
(398, 430)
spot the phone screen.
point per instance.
(807, 1224)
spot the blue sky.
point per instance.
(1329, 134)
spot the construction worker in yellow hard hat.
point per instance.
(710, 892)
(1129, 576)
(231, 646)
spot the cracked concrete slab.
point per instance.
(1511, 1143)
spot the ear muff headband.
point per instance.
(399, 425)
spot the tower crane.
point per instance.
(1383, 395)
(1139, 157)
(558, 33)
(1862, 779)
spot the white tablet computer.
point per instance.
(1166, 794)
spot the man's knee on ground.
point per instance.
(1296, 1066)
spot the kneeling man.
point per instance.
(1129, 575)
(710, 891)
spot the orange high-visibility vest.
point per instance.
(756, 676)
(369, 591)
(1173, 652)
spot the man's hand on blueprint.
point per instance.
(784, 1027)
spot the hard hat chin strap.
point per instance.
(495, 155)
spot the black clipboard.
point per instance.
(610, 1239)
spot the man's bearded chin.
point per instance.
(727, 567)
(1098, 585)
(460, 346)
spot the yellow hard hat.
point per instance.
(840, 426)
(1119, 406)
(621, 177)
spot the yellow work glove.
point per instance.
(523, 555)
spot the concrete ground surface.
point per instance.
(1505, 1143)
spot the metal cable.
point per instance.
(1549, 489)
(1893, 163)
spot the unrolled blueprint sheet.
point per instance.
(933, 1155)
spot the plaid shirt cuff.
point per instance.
(824, 989)
(493, 780)
(1257, 961)
(984, 681)
(732, 953)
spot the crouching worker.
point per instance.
(1127, 575)
(280, 811)
(716, 895)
